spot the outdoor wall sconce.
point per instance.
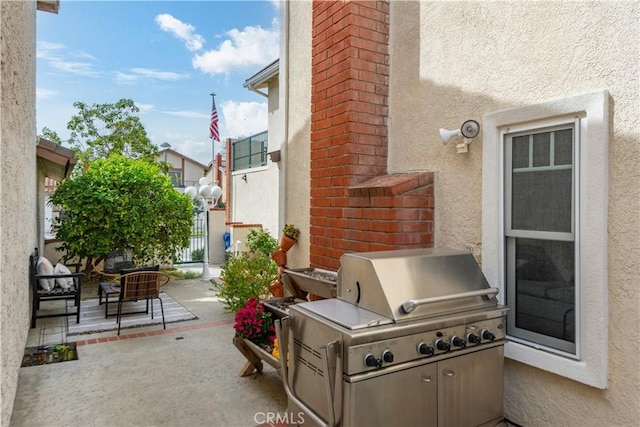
(244, 177)
(469, 130)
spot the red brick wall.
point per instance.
(355, 205)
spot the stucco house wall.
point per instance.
(255, 192)
(295, 83)
(453, 61)
(17, 171)
(190, 169)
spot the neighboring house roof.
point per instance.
(261, 79)
(58, 161)
(51, 6)
(184, 157)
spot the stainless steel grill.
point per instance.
(413, 337)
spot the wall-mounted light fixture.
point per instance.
(244, 177)
(469, 130)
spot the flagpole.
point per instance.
(213, 146)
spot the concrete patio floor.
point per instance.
(186, 375)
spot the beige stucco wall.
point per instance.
(191, 172)
(295, 68)
(255, 201)
(17, 188)
(453, 61)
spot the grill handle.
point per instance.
(285, 340)
(409, 305)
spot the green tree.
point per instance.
(99, 130)
(122, 204)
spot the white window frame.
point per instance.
(591, 112)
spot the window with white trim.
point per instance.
(540, 235)
(544, 244)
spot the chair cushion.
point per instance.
(63, 282)
(45, 267)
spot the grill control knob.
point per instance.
(473, 339)
(458, 342)
(370, 360)
(443, 346)
(387, 356)
(425, 349)
(487, 335)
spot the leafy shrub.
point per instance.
(197, 254)
(245, 276)
(260, 242)
(120, 204)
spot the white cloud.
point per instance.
(251, 46)
(159, 75)
(188, 114)
(243, 118)
(145, 108)
(45, 93)
(138, 74)
(54, 53)
(180, 30)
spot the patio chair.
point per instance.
(137, 286)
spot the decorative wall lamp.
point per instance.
(204, 191)
(469, 130)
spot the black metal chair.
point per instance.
(137, 286)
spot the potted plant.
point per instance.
(254, 323)
(280, 257)
(290, 235)
(277, 288)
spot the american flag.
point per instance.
(213, 125)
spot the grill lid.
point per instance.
(414, 283)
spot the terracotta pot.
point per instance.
(286, 242)
(313, 297)
(280, 257)
(277, 289)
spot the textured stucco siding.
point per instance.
(453, 61)
(298, 126)
(17, 187)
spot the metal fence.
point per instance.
(195, 252)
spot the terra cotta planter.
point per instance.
(277, 289)
(280, 257)
(286, 242)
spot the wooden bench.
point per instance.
(57, 293)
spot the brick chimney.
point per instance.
(355, 205)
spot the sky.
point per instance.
(167, 56)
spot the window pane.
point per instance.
(545, 288)
(541, 149)
(541, 200)
(520, 150)
(563, 150)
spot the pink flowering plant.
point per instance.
(254, 323)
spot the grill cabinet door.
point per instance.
(470, 388)
(400, 399)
